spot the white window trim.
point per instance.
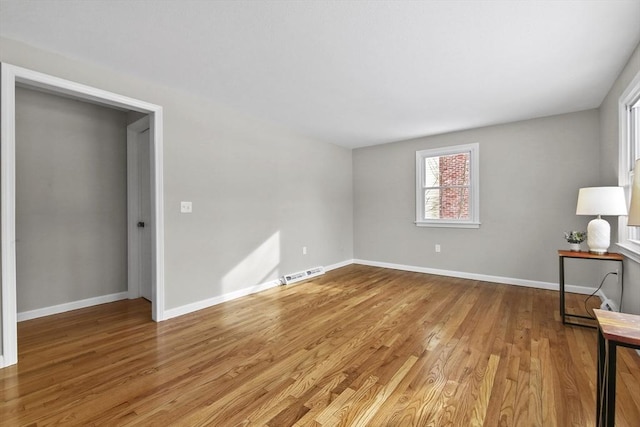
(474, 188)
(631, 95)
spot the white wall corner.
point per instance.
(339, 265)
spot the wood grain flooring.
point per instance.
(359, 346)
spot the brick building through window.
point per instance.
(447, 195)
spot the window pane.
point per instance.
(432, 204)
(447, 170)
(432, 172)
(632, 139)
(454, 203)
(454, 169)
(446, 203)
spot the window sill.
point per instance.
(447, 224)
(630, 251)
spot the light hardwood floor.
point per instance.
(358, 346)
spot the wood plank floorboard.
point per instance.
(358, 346)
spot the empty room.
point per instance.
(320, 213)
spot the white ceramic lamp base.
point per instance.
(598, 236)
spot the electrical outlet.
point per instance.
(304, 250)
(437, 247)
(186, 207)
(609, 305)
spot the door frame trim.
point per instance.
(10, 76)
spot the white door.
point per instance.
(144, 214)
(139, 209)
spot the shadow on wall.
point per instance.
(260, 266)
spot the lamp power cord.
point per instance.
(586, 309)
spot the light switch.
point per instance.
(186, 207)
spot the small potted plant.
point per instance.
(575, 238)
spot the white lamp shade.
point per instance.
(601, 201)
(634, 207)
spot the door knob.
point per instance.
(141, 224)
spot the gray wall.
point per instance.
(71, 200)
(259, 192)
(530, 172)
(609, 137)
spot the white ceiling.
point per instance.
(354, 73)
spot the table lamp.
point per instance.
(600, 201)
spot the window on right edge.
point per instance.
(629, 149)
(447, 187)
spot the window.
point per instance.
(447, 187)
(629, 148)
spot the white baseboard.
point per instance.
(199, 305)
(74, 305)
(339, 265)
(482, 277)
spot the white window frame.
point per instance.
(628, 152)
(474, 186)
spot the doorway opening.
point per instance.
(12, 76)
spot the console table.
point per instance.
(614, 329)
(610, 256)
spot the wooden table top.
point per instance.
(620, 327)
(588, 255)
